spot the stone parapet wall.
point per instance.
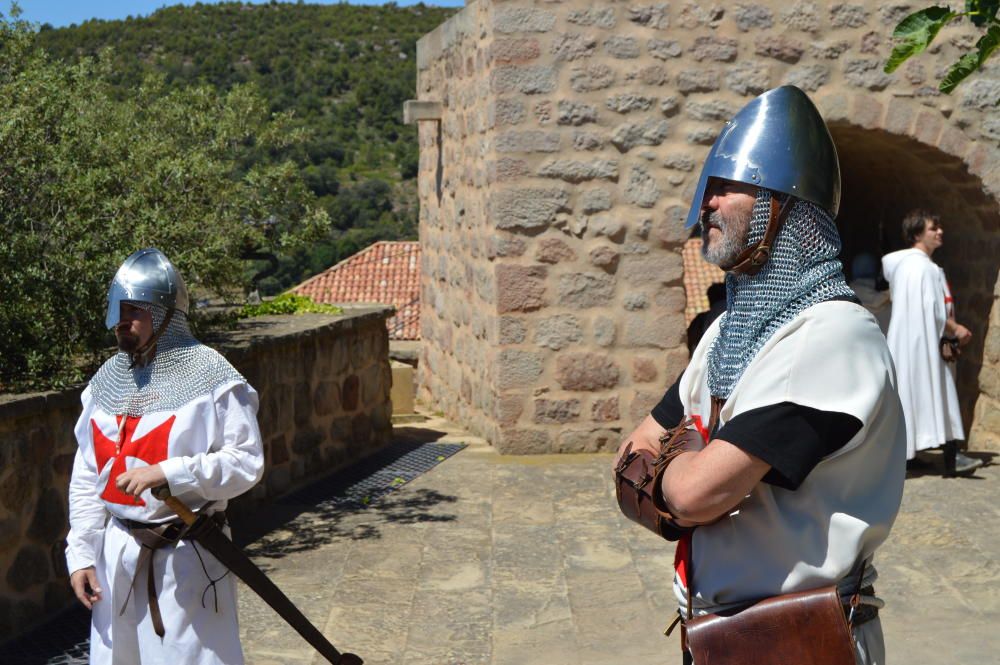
(553, 189)
(324, 388)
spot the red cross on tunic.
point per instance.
(151, 449)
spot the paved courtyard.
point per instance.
(526, 560)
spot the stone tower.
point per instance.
(560, 143)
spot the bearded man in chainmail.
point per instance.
(164, 410)
(796, 473)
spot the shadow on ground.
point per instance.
(328, 509)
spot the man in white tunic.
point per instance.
(164, 410)
(923, 321)
(798, 473)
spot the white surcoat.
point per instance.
(921, 303)
(831, 357)
(211, 451)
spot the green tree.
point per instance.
(341, 70)
(916, 32)
(90, 172)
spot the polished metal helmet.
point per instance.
(146, 276)
(778, 141)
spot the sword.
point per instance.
(206, 533)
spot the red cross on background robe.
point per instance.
(151, 449)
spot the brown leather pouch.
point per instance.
(638, 476)
(950, 350)
(808, 627)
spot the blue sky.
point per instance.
(61, 13)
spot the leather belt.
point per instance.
(862, 613)
(219, 518)
(152, 536)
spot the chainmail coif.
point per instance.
(803, 270)
(181, 370)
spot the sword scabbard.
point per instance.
(208, 535)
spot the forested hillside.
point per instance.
(343, 72)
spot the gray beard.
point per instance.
(723, 251)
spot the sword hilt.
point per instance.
(162, 493)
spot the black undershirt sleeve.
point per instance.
(790, 437)
(669, 412)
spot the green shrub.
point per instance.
(288, 303)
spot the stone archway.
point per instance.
(884, 176)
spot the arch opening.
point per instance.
(884, 176)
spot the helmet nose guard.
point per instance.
(778, 141)
(146, 276)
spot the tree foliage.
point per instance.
(341, 71)
(91, 171)
(916, 32)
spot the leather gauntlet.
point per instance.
(638, 477)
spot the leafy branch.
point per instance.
(916, 32)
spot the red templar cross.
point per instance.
(151, 449)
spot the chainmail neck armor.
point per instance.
(803, 270)
(181, 370)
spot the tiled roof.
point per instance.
(698, 276)
(386, 273)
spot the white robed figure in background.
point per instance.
(164, 410)
(923, 321)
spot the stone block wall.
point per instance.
(554, 187)
(458, 291)
(985, 434)
(324, 385)
(36, 456)
(324, 401)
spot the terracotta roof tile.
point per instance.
(386, 272)
(698, 276)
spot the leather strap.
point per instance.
(855, 602)
(858, 614)
(753, 258)
(950, 350)
(154, 603)
(141, 354)
(150, 539)
(713, 419)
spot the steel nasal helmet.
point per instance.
(777, 141)
(146, 276)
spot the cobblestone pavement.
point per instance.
(525, 560)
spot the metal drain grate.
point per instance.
(377, 475)
(63, 640)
